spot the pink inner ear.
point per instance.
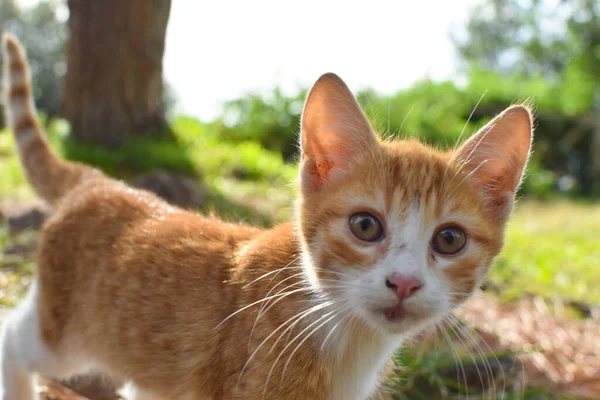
(320, 168)
(503, 177)
(335, 132)
(496, 156)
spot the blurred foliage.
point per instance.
(271, 120)
(242, 180)
(534, 37)
(437, 112)
(541, 51)
(43, 35)
(556, 43)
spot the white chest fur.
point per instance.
(359, 357)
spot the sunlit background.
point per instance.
(220, 50)
(222, 137)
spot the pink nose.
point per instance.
(404, 286)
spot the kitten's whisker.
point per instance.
(405, 118)
(331, 332)
(488, 365)
(286, 267)
(298, 316)
(292, 326)
(327, 271)
(277, 271)
(456, 355)
(469, 119)
(467, 177)
(304, 340)
(286, 287)
(459, 330)
(291, 342)
(280, 298)
(476, 293)
(462, 132)
(495, 357)
(389, 114)
(262, 309)
(334, 283)
(470, 353)
(260, 301)
(467, 159)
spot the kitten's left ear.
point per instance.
(335, 133)
(496, 157)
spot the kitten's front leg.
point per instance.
(16, 382)
(23, 353)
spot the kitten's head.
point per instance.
(395, 231)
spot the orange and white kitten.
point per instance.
(388, 237)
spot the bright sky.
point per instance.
(220, 49)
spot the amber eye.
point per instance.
(366, 227)
(449, 240)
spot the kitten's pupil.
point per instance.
(448, 236)
(449, 240)
(366, 227)
(365, 224)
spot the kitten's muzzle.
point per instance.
(403, 287)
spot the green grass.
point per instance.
(12, 181)
(16, 265)
(244, 181)
(552, 249)
(436, 369)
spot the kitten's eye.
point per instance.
(449, 240)
(366, 227)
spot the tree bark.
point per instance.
(113, 88)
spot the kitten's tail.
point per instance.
(50, 176)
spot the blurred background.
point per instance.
(200, 102)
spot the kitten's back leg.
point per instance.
(23, 353)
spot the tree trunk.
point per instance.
(113, 89)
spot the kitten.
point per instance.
(388, 238)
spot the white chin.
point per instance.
(406, 324)
(392, 326)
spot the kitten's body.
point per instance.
(135, 288)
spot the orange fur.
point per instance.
(152, 293)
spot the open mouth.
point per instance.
(394, 313)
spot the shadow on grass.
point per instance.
(134, 157)
(140, 156)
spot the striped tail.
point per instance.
(50, 176)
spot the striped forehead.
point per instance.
(416, 175)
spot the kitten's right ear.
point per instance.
(496, 157)
(335, 133)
